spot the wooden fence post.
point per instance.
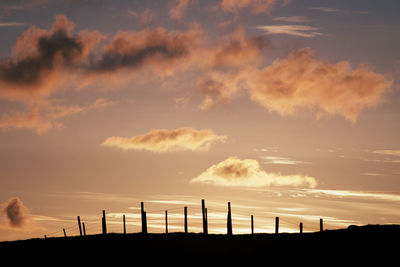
(277, 225)
(80, 226)
(229, 220)
(204, 214)
(321, 225)
(301, 228)
(123, 220)
(144, 219)
(185, 222)
(252, 224)
(166, 221)
(104, 224)
(84, 229)
(65, 234)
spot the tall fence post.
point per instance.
(277, 225)
(185, 222)
(229, 220)
(144, 219)
(252, 224)
(65, 234)
(321, 225)
(204, 214)
(123, 220)
(84, 229)
(166, 221)
(301, 228)
(80, 226)
(104, 224)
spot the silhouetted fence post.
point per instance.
(321, 225)
(185, 222)
(276, 225)
(144, 219)
(123, 220)
(84, 229)
(204, 214)
(80, 226)
(166, 221)
(301, 228)
(104, 224)
(252, 224)
(229, 220)
(65, 234)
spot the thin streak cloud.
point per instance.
(295, 30)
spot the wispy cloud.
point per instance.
(11, 24)
(295, 30)
(326, 9)
(293, 19)
(388, 152)
(282, 160)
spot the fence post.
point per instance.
(80, 226)
(166, 221)
(301, 228)
(229, 220)
(321, 225)
(84, 229)
(204, 213)
(252, 224)
(144, 219)
(276, 225)
(186, 223)
(104, 223)
(123, 220)
(65, 234)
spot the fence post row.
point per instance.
(229, 220)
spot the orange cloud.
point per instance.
(235, 172)
(163, 140)
(177, 8)
(40, 55)
(47, 115)
(256, 6)
(303, 82)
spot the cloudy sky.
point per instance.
(285, 108)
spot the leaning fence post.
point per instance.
(65, 234)
(186, 222)
(80, 226)
(276, 225)
(229, 220)
(321, 225)
(84, 229)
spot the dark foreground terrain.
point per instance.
(357, 244)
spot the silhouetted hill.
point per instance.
(355, 244)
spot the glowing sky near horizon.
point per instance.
(286, 108)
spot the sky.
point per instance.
(286, 108)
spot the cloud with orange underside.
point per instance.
(163, 140)
(247, 173)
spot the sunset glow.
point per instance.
(284, 108)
